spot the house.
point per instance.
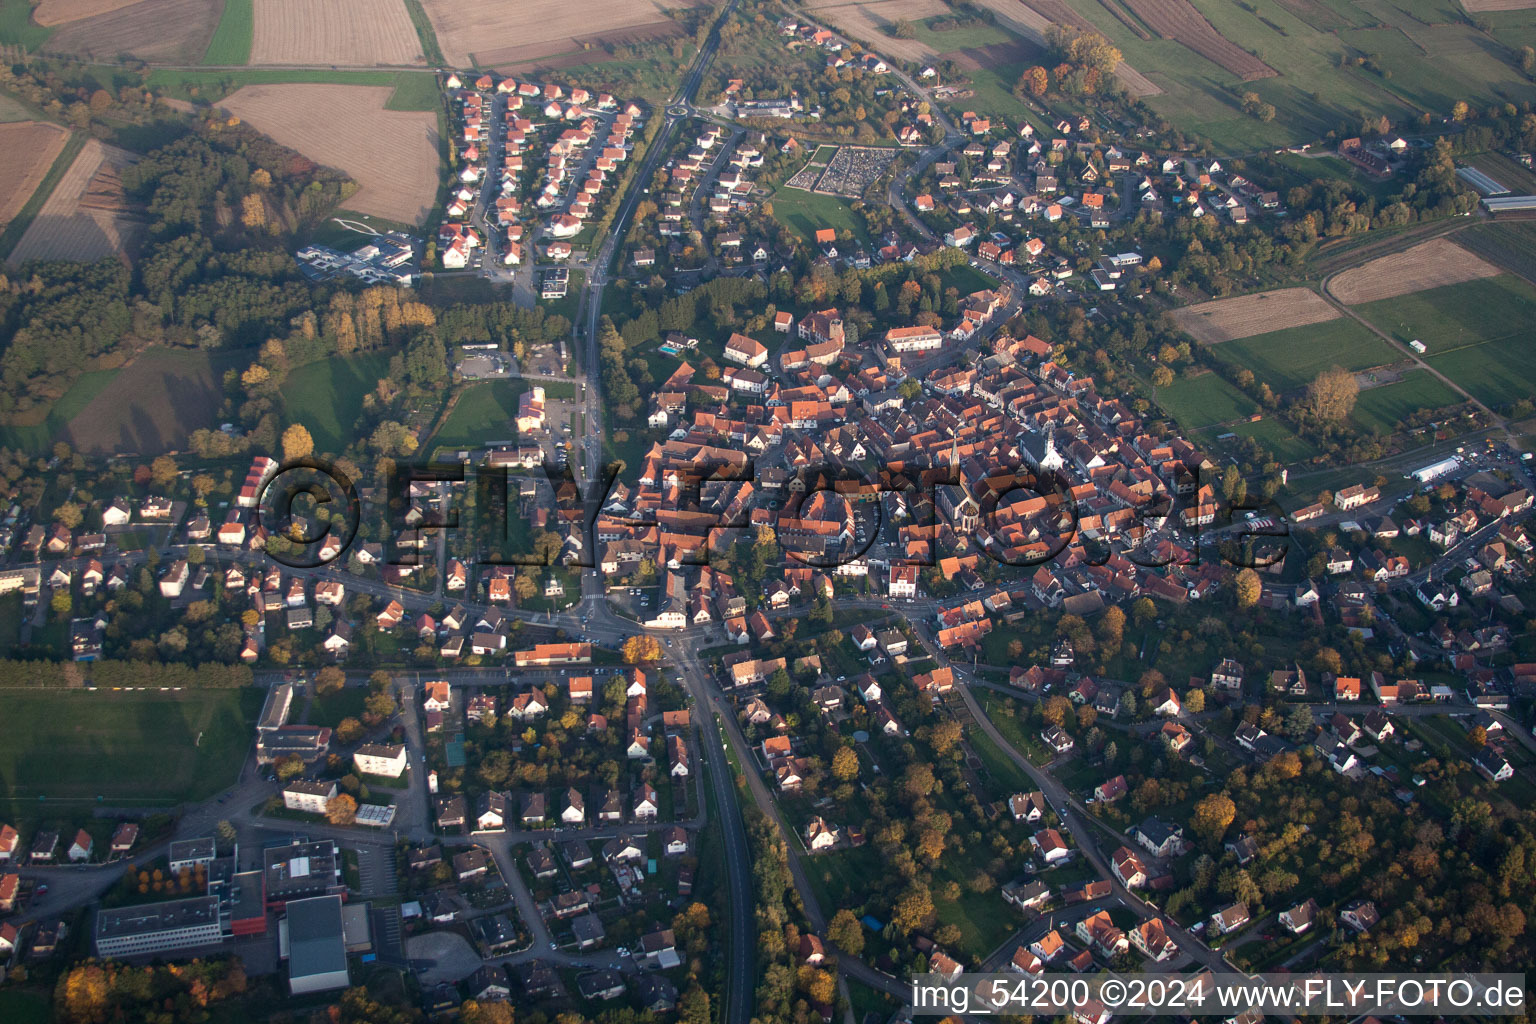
(1128, 868)
(1298, 920)
(1227, 675)
(1492, 766)
(10, 841)
(1099, 932)
(1030, 807)
(1229, 919)
(491, 810)
(1027, 895)
(123, 838)
(1057, 740)
(1110, 790)
(1048, 946)
(80, 849)
(1360, 915)
(383, 759)
(1160, 838)
(575, 812)
(819, 835)
(1051, 848)
(1151, 940)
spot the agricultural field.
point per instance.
(34, 431)
(1382, 408)
(1290, 358)
(1479, 6)
(868, 22)
(1179, 20)
(153, 404)
(27, 150)
(344, 32)
(231, 42)
(493, 33)
(1433, 264)
(1510, 244)
(59, 12)
(327, 396)
(392, 155)
(1224, 320)
(87, 216)
(145, 749)
(163, 31)
(1204, 401)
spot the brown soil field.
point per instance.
(163, 31)
(1320, 16)
(1178, 20)
(1030, 20)
(86, 217)
(1429, 265)
(482, 32)
(867, 23)
(154, 404)
(1478, 6)
(59, 12)
(391, 154)
(27, 150)
(334, 32)
(1210, 323)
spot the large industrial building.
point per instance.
(312, 940)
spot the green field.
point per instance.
(126, 748)
(327, 396)
(425, 33)
(12, 109)
(414, 90)
(17, 26)
(484, 412)
(1381, 408)
(23, 220)
(1204, 401)
(231, 42)
(1290, 358)
(1457, 315)
(1497, 372)
(37, 440)
(805, 213)
(962, 38)
(1279, 439)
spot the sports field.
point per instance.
(327, 396)
(1290, 358)
(805, 213)
(484, 412)
(1381, 409)
(127, 748)
(1478, 333)
(1204, 401)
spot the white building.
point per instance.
(386, 759)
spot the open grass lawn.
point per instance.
(1007, 777)
(1283, 442)
(1477, 333)
(127, 748)
(805, 213)
(231, 42)
(1456, 315)
(1380, 409)
(484, 412)
(17, 27)
(330, 708)
(327, 396)
(962, 38)
(992, 89)
(411, 87)
(1204, 401)
(1290, 358)
(19, 1006)
(38, 439)
(966, 278)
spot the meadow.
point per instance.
(1382, 408)
(143, 748)
(805, 213)
(231, 42)
(1290, 358)
(327, 396)
(1204, 401)
(484, 412)
(1456, 316)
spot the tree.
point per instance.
(330, 679)
(1055, 709)
(349, 730)
(288, 767)
(1460, 111)
(845, 765)
(1035, 81)
(1478, 737)
(845, 932)
(69, 514)
(162, 471)
(641, 649)
(1331, 395)
(913, 909)
(297, 443)
(902, 29)
(1194, 701)
(61, 603)
(1248, 587)
(225, 832)
(493, 1011)
(1111, 628)
(1212, 815)
(341, 809)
